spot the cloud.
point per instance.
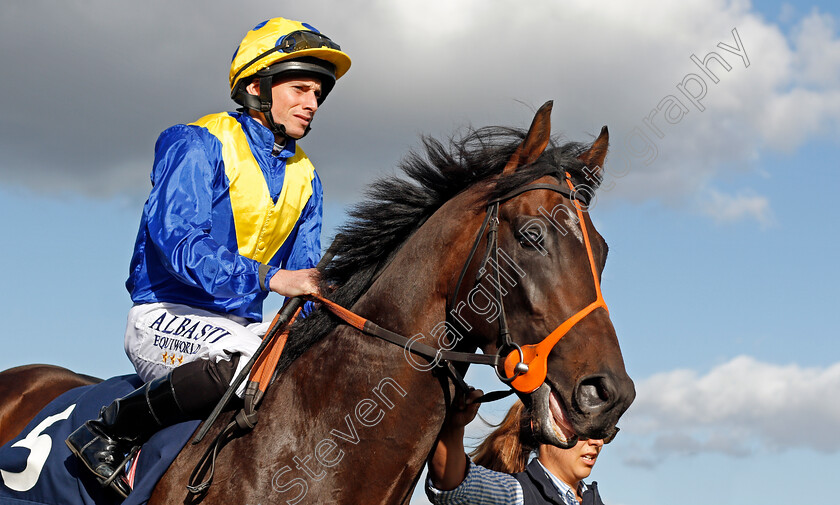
(738, 408)
(88, 94)
(725, 208)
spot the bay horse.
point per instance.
(29, 388)
(351, 418)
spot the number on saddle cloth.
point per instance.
(37, 467)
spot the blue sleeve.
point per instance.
(481, 486)
(179, 213)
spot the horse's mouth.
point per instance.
(560, 422)
(549, 420)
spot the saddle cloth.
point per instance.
(37, 467)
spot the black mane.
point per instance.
(395, 207)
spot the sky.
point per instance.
(718, 205)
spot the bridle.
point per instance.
(523, 368)
(528, 372)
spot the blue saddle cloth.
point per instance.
(37, 467)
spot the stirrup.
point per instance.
(118, 481)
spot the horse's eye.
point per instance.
(531, 237)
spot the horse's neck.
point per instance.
(359, 417)
(352, 418)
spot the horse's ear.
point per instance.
(535, 141)
(594, 157)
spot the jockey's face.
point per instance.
(293, 102)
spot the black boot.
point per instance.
(106, 444)
(188, 392)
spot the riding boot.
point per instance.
(106, 444)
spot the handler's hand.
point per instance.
(463, 409)
(448, 464)
(295, 282)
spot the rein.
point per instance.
(527, 373)
(434, 355)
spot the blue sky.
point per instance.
(721, 279)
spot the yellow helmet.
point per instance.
(280, 46)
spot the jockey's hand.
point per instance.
(295, 282)
(463, 409)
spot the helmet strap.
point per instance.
(265, 106)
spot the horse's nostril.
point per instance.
(593, 393)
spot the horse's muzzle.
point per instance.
(596, 404)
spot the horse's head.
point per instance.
(538, 263)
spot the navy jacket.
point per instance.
(537, 488)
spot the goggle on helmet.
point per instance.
(282, 46)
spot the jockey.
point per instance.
(234, 212)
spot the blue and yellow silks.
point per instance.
(220, 206)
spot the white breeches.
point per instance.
(162, 336)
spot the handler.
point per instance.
(500, 472)
(234, 212)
